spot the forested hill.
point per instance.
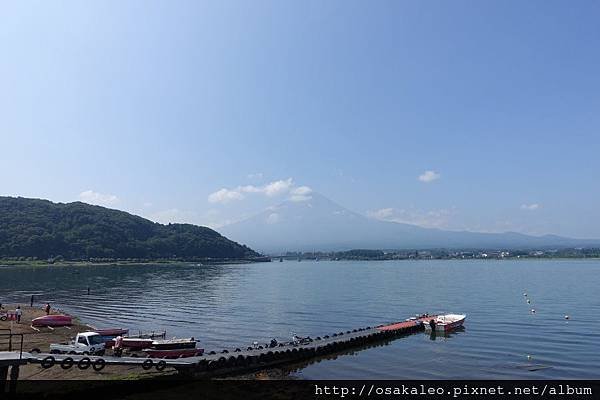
(79, 231)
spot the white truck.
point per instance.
(84, 343)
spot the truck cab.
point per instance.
(83, 343)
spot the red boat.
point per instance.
(53, 320)
(175, 353)
(132, 344)
(173, 344)
(112, 332)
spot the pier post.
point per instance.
(14, 375)
(3, 376)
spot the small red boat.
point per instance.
(174, 353)
(173, 344)
(132, 344)
(112, 332)
(53, 320)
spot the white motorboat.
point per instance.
(445, 322)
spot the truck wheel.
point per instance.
(35, 350)
(84, 363)
(99, 364)
(54, 351)
(67, 363)
(48, 362)
(72, 352)
(3, 318)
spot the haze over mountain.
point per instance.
(319, 224)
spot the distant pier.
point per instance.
(224, 362)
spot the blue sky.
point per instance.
(151, 107)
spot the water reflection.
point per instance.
(231, 306)
(444, 335)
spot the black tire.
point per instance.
(212, 365)
(84, 363)
(99, 364)
(134, 355)
(3, 318)
(161, 365)
(54, 351)
(35, 350)
(48, 362)
(67, 363)
(100, 352)
(147, 364)
(72, 352)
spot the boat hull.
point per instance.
(131, 343)
(112, 332)
(175, 353)
(446, 323)
(173, 344)
(52, 320)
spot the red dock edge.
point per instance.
(405, 324)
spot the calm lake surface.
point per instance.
(231, 306)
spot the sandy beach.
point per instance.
(41, 338)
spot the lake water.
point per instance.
(231, 306)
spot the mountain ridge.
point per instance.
(42, 229)
(320, 224)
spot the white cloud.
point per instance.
(428, 219)
(429, 176)
(530, 207)
(272, 189)
(301, 193)
(383, 213)
(273, 218)
(256, 176)
(278, 187)
(101, 199)
(225, 196)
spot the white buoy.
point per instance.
(566, 317)
(528, 301)
(533, 310)
(525, 294)
(529, 357)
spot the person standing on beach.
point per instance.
(18, 314)
(118, 347)
(31, 305)
(47, 308)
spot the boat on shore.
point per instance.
(53, 320)
(445, 322)
(114, 332)
(133, 344)
(173, 353)
(173, 344)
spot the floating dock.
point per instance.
(230, 361)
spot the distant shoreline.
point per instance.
(77, 263)
(174, 263)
